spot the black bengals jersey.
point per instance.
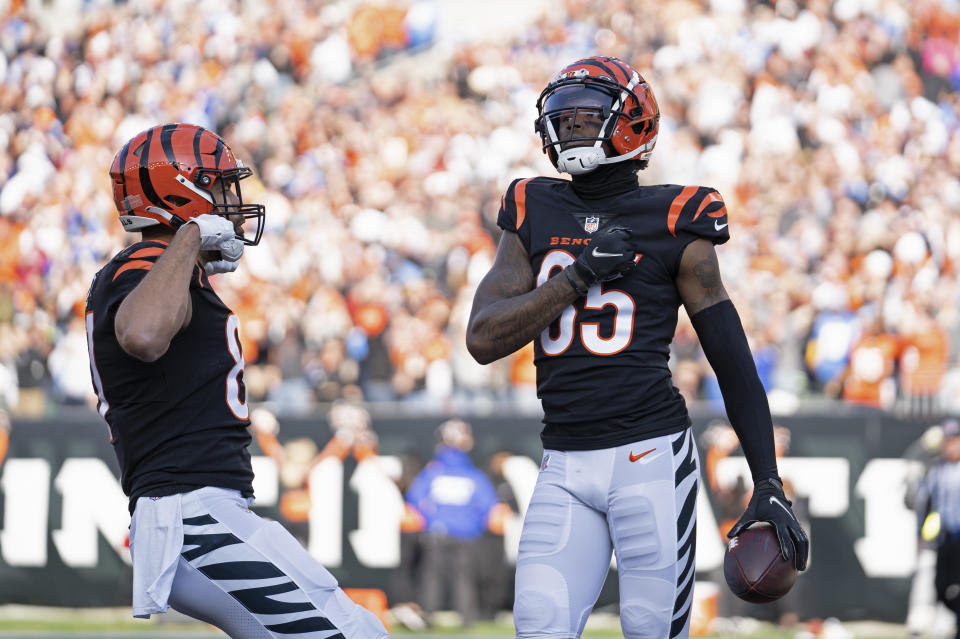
(602, 372)
(179, 423)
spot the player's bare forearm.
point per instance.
(159, 306)
(699, 280)
(508, 311)
(502, 327)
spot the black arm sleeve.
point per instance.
(725, 345)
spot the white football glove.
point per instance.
(214, 231)
(230, 253)
(217, 234)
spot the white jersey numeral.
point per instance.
(597, 299)
(237, 406)
(557, 259)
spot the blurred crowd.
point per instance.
(381, 145)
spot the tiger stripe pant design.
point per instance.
(637, 501)
(249, 577)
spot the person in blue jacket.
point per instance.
(457, 502)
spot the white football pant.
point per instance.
(638, 500)
(207, 555)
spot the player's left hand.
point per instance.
(230, 253)
(771, 505)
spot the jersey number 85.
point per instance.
(597, 298)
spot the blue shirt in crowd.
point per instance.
(453, 496)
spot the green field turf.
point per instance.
(79, 629)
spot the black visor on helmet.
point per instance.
(575, 115)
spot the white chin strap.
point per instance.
(583, 159)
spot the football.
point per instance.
(753, 567)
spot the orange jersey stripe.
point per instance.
(710, 199)
(677, 205)
(141, 264)
(150, 251)
(520, 198)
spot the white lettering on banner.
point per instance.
(376, 542)
(26, 500)
(819, 479)
(520, 472)
(266, 485)
(816, 478)
(889, 545)
(326, 512)
(92, 501)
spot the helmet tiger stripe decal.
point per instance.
(146, 185)
(166, 133)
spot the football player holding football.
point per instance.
(593, 271)
(167, 367)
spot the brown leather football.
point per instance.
(753, 567)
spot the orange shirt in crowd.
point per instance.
(870, 375)
(924, 361)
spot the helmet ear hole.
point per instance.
(177, 200)
(640, 127)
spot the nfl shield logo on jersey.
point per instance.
(591, 224)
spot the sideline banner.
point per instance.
(63, 517)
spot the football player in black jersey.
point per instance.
(594, 270)
(167, 367)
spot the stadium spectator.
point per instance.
(457, 503)
(869, 379)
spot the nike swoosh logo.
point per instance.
(634, 458)
(717, 225)
(597, 253)
(774, 500)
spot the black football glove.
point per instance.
(609, 255)
(770, 504)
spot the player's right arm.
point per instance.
(159, 307)
(508, 309)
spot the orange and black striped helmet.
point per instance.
(167, 175)
(597, 111)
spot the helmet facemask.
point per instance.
(230, 203)
(588, 120)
